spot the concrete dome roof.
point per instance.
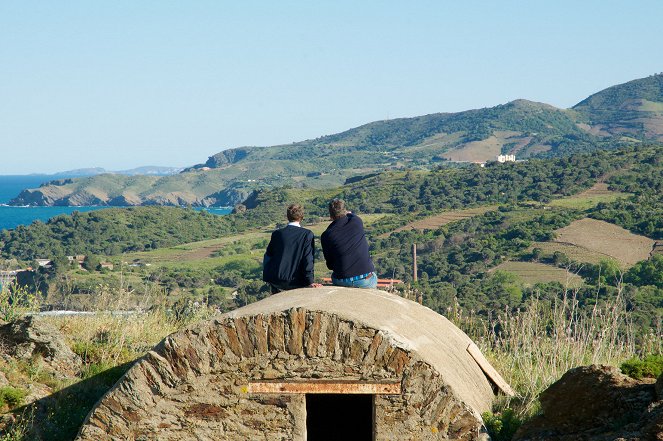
(409, 325)
(252, 373)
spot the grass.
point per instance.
(435, 222)
(608, 239)
(649, 367)
(533, 348)
(574, 252)
(589, 198)
(11, 396)
(108, 344)
(531, 273)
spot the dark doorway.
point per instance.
(339, 417)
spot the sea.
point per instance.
(11, 217)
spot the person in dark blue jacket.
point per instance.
(288, 261)
(345, 248)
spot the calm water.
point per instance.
(11, 217)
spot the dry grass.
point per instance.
(535, 347)
(484, 150)
(113, 334)
(607, 239)
(573, 252)
(531, 273)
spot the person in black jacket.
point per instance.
(346, 249)
(288, 261)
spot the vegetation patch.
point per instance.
(11, 396)
(531, 273)
(649, 367)
(573, 252)
(598, 193)
(481, 151)
(435, 222)
(608, 239)
(501, 426)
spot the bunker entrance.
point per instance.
(334, 417)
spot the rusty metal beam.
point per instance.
(324, 387)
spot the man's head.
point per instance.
(295, 213)
(337, 209)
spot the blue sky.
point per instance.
(127, 83)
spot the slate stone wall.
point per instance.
(193, 385)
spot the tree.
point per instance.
(91, 262)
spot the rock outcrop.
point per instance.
(31, 337)
(597, 403)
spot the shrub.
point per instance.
(501, 427)
(11, 396)
(15, 301)
(650, 367)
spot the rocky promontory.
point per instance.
(196, 188)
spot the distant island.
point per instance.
(620, 115)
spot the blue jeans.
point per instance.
(369, 282)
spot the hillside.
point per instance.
(633, 109)
(522, 128)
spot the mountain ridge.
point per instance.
(620, 114)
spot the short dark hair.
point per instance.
(295, 213)
(337, 209)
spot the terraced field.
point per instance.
(573, 252)
(435, 222)
(589, 198)
(603, 238)
(532, 272)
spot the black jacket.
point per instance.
(345, 248)
(288, 261)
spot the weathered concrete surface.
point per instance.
(194, 384)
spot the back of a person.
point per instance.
(290, 244)
(345, 248)
(288, 260)
(346, 239)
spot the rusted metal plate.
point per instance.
(324, 387)
(490, 371)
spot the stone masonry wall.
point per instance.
(193, 385)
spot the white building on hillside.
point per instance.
(506, 158)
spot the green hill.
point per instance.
(523, 128)
(633, 109)
(520, 127)
(461, 259)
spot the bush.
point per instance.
(15, 301)
(11, 396)
(649, 367)
(501, 427)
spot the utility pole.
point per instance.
(414, 259)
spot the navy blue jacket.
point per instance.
(345, 248)
(288, 261)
